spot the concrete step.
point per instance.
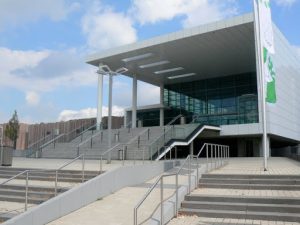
(234, 206)
(4, 216)
(18, 170)
(250, 181)
(243, 199)
(251, 186)
(31, 194)
(21, 199)
(250, 176)
(32, 188)
(49, 178)
(272, 216)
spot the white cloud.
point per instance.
(44, 70)
(106, 28)
(298, 50)
(16, 12)
(194, 12)
(66, 115)
(32, 98)
(285, 2)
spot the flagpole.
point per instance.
(262, 85)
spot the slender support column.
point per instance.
(110, 109)
(161, 111)
(134, 101)
(99, 103)
(192, 148)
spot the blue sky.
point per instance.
(43, 44)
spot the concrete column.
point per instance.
(99, 102)
(110, 109)
(134, 101)
(192, 148)
(161, 110)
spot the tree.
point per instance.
(12, 129)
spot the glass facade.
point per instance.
(218, 101)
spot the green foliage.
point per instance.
(12, 129)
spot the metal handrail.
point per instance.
(87, 140)
(39, 170)
(137, 137)
(38, 141)
(26, 187)
(67, 164)
(221, 157)
(160, 180)
(109, 151)
(174, 119)
(80, 127)
(51, 141)
(87, 129)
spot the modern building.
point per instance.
(209, 75)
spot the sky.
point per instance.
(44, 43)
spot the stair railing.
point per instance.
(174, 119)
(221, 152)
(74, 133)
(39, 142)
(82, 157)
(26, 172)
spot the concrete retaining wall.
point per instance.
(89, 192)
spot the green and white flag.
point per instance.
(263, 16)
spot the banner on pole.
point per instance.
(262, 10)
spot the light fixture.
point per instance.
(182, 75)
(138, 57)
(168, 70)
(154, 64)
(105, 70)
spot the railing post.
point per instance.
(211, 156)
(135, 216)
(56, 180)
(176, 197)
(219, 158)
(162, 201)
(91, 141)
(26, 192)
(206, 146)
(148, 134)
(215, 151)
(101, 163)
(101, 136)
(138, 141)
(197, 159)
(124, 153)
(189, 174)
(83, 164)
(175, 152)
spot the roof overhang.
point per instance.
(217, 49)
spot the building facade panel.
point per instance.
(284, 116)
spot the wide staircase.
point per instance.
(146, 143)
(250, 197)
(41, 187)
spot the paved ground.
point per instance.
(194, 220)
(278, 165)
